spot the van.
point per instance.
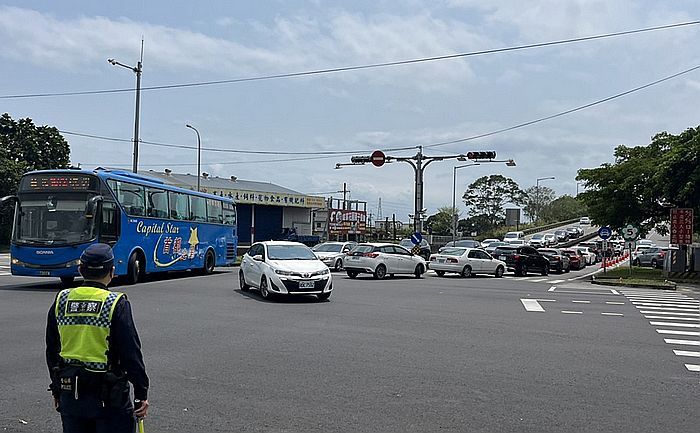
(513, 236)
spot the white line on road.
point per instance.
(686, 353)
(539, 280)
(614, 303)
(686, 310)
(680, 325)
(551, 289)
(659, 304)
(669, 313)
(692, 367)
(557, 281)
(532, 305)
(571, 312)
(581, 302)
(5, 273)
(683, 342)
(613, 314)
(687, 319)
(674, 332)
(614, 292)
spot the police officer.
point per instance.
(93, 351)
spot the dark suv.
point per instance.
(522, 259)
(558, 262)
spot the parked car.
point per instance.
(486, 242)
(424, 247)
(550, 238)
(332, 253)
(463, 243)
(522, 259)
(558, 262)
(513, 236)
(590, 257)
(382, 259)
(493, 245)
(562, 235)
(653, 256)
(466, 262)
(576, 259)
(284, 268)
(538, 240)
(584, 221)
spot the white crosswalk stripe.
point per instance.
(671, 310)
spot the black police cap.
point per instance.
(97, 256)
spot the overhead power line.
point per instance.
(356, 67)
(563, 113)
(187, 164)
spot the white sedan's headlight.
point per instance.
(282, 272)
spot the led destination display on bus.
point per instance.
(53, 182)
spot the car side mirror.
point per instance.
(258, 257)
(92, 206)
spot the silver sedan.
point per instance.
(466, 262)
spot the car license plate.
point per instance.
(441, 260)
(502, 258)
(306, 284)
(45, 273)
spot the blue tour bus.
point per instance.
(151, 226)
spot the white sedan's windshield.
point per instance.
(328, 248)
(290, 252)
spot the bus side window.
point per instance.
(214, 212)
(157, 202)
(109, 225)
(229, 214)
(130, 196)
(198, 209)
(179, 206)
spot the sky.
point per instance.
(53, 47)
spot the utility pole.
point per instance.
(393, 223)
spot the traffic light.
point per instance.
(360, 159)
(481, 155)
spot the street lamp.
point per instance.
(137, 70)
(455, 222)
(199, 154)
(537, 191)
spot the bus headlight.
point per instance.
(72, 263)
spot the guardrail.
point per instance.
(576, 241)
(550, 226)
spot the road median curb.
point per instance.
(619, 282)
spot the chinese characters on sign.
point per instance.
(343, 221)
(682, 226)
(276, 199)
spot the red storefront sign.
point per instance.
(682, 226)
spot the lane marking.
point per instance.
(581, 302)
(692, 367)
(683, 342)
(613, 314)
(669, 313)
(532, 305)
(551, 289)
(539, 280)
(674, 332)
(614, 292)
(658, 304)
(571, 312)
(557, 281)
(686, 353)
(685, 310)
(680, 325)
(614, 303)
(687, 319)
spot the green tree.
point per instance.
(441, 223)
(536, 199)
(487, 196)
(25, 147)
(563, 208)
(645, 181)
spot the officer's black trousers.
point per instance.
(114, 422)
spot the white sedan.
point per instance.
(590, 256)
(284, 268)
(466, 262)
(382, 259)
(333, 253)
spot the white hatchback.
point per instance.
(284, 268)
(466, 262)
(382, 259)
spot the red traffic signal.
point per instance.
(481, 155)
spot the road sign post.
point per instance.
(605, 233)
(630, 233)
(416, 238)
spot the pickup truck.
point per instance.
(522, 259)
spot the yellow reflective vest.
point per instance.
(84, 317)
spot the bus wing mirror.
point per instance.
(8, 199)
(91, 208)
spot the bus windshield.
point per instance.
(53, 219)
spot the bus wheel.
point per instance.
(67, 281)
(209, 263)
(135, 268)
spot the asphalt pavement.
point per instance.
(403, 354)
